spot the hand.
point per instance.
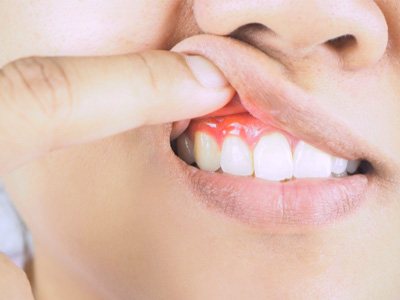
(51, 103)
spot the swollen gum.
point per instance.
(241, 125)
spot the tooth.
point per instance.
(185, 148)
(339, 165)
(353, 166)
(310, 162)
(206, 152)
(273, 158)
(236, 158)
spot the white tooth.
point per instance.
(185, 148)
(273, 158)
(339, 165)
(236, 158)
(353, 166)
(310, 162)
(206, 152)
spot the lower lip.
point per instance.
(277, 205)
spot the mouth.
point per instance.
(272, 157)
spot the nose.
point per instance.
(354, 30)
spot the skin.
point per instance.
(103, 231)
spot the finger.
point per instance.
(14, 284)
(49, 103)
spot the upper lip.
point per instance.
(265, 90)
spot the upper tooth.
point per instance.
(206, 152)
(353, 166)
(273, 158)
(310, 162)
(185, 148)
(339, 165)
(236, 158)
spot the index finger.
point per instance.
(50, 103)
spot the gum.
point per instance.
(241, 125)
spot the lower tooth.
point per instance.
(206, 152)
(344, 174)
(236, 158)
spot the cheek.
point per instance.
(391, 10)
(88, 184)
(84, 199)
(72, 27)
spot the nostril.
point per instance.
(347, 48)
(342, 42)
(250, 32)
(251, 27)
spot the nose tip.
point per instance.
(356, 31)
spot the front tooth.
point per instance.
(273, 158)
(206, 152)
(310, 162)
(339, 165)
(353, 166)
(185, 148)
(236, 158)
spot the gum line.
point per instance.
(241, 125)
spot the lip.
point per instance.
(267, 93)
(303, 203)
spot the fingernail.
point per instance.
(206, 73)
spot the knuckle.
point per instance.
(158, 71)
(150, 75)
(146, 83)
(42, 82)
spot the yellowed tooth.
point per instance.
(185, 149)
(206, 152)
(353, 166)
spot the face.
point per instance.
(121, 218)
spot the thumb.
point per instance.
(49, 103)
